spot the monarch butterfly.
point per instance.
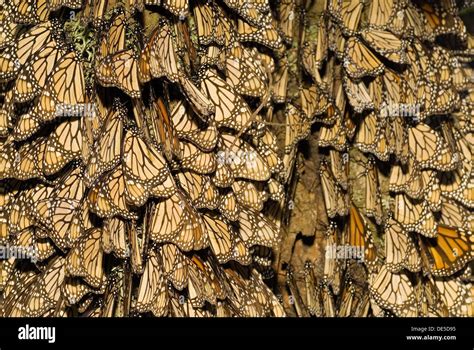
(400, 249)
(202, 105)
(174, 220)
(71, 184)
(152, 291)
(159, 58)
(17, 219)
(333, 135)
(430, 300)
(25, 12)
(314, 101)
(415, 23)
(459, 75)
(360, 61)
(120, 70)
(107, 308)
(264, 33)
(415, 215)
(386, 44)
(199, 287)
(456, 295)
(333, 267)
(383, 14)
(19, 282)
(64, 145)
(115, 237)
(441, 18)
(200, 189)
(178, 8)
(329, 305)
(142, 163)
(244, 72)
(224, 242)
(397, 134)
(256, 229)
(247, 10)
(248, 195)
(347, 13)
(56, 215)
(163, 129)
(357, 95)
(28, 200)
(11, 63)
(348, 301)
(8, 30)
(429, 149)
(223, 310)
(339, 163)
(443, 71)
(188, 128)
(7, 196)
(357, 235)
(280, 82)
(438, 99)
(115, 64)
(313, 293)
(336, 40)
(391, 83)
(448, 252)
(241, 159)
(38, 301)
(174, 265)
(297, 127)
(269, 155)
(107, 150)
(229, 207)
(322, 43)
(335, 89)
(407, 178)
(393, 291)
(230, 108)
(114, 39)
(85, 259)
(262, 256)
(7, 159)
(458, 184)
(6, 273)
(454, 215)
(210, 25)
(362, 305)
(74, 290)
(370, 137)
(287, 15)
(263, 296)
(6, 115)
(64, 89)
(95, 11)
(176, 305)
(217, 277)
(373, 201)
(335, 199)
(294, 295)
(109, 196)
(195, 159)
(32, 76)
(223, 177)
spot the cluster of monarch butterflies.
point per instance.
(391, 91)
(141, 164)
(134, 160)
